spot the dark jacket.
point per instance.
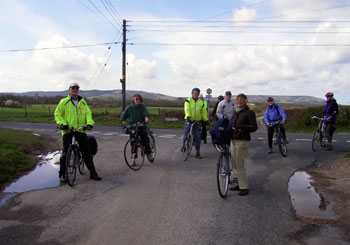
(244, 123)
(331, 109)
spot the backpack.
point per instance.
(222, 132)
(92, 144)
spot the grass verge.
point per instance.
(16, 153)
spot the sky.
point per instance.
(256, 47)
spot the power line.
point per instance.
(115, 11)
(50, 48)
(245, 32)
(103, 14)
(239, 44)
(111, 13)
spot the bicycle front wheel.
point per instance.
(71, 165)
(316, 140)
(134, 155)
(187, 147)
(222, 176)
(82, 168)
(152, 144)
(282, 146)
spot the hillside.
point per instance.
(116, 95)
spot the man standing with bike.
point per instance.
(138, 113)
(194, 112)
(244, 123)
(330, 112)
(71, 113)
(274, 113)
(226, 107)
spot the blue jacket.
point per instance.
(274, 113)
(331, 109)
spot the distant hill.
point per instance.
(116, 95)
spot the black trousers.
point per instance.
(270, 133)
(330, 131)
(204, 131)
(84, 149)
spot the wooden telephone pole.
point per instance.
(123, 79)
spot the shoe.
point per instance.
(243, 192)
(150, 157)
(95, 177)
(235, 188)
(270, 150)
(132, 163)
(198, 156)
(63, 179)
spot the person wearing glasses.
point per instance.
(330, 112)
(194, 112)
(274, 113)
(72, 112)
(244, 123)
(138, 113)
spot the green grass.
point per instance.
(16, 148)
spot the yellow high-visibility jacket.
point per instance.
(195, 110)
(67, 114)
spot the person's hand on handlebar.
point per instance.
(89, 127)
(283, 121)
(268, 124)
(146, 119)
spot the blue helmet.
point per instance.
(196, 89)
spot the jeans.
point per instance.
(197, 129)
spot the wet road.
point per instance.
(168, 201)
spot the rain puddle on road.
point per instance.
(310, 206)
(44, 175)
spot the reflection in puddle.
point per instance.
(45, 175)
(306, 201)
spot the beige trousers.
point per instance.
(239, 152)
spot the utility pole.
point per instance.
(123, 79)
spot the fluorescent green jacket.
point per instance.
(67, 114)
(195, 110)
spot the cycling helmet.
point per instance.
(220, 97)
(269, 98)
(196, 89)
(329, 94)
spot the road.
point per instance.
(168, 201)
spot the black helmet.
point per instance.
(220, 97)
(196, 89)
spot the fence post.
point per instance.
(158, 112)
(25, 111)
(49, 111)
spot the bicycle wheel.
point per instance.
(222, 176)
(134, 155)
(282, 146)
(71, 165)
(82, 166)
(152, 143)
(187, 147)
(316, 141)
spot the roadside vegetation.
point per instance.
(16, 153)
(164, 113)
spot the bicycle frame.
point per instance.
(279, 138)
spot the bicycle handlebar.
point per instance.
(319, 118)
(275, 123)
(72, 130)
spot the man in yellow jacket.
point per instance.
(73, 112)
(194, 112)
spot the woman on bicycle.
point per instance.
(330, 112)
(72, 112)
(274, 113)
(138, 113)
(244, 122)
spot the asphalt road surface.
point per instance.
(169, 201)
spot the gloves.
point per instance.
(89, 127)
(207, 123)
(64, 127)
(188, 119)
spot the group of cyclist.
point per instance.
(73, 111)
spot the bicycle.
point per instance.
(320, 137)
(134, 151)
(280, 140)
(188, 144)
(74, 158)
(224, 171)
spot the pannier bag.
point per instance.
(92, 144)
(222, 132)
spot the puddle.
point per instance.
(44, 175)
(309, 205)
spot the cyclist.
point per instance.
(226, 107)
(220, 98)
(330, 112)
(274, 113)
(72, 112)
(204, 123)
(194, 111)
(244, 122)
(138, 113)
